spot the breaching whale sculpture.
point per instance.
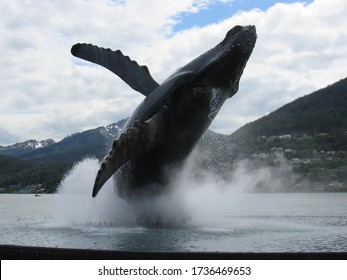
(166, 126)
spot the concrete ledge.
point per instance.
(12, 252)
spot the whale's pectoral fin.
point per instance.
(136, 76)
(131, 144)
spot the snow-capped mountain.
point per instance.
(34, 144)
(115, 128)
(22, 148)
(90, 143)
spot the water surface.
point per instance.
(218, 221)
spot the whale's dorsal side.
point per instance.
(136, 76)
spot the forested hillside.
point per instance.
(44, 168)
(323, 111)
(17, 174)
(310, 133)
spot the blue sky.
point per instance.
(218, 11)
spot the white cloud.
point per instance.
(300, 48)
(48, 93)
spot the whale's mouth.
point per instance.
(245, 34)
(235, 59)
(234, 51)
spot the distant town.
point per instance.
(36, 189)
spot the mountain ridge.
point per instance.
(310, 132)
(322, 111)
(18, 149)
(72, 148)
(319, 112)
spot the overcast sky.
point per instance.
(47, 93)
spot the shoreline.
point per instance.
(14, 252)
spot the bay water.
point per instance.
(207, 217)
